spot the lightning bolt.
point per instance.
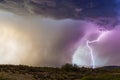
(102, 34)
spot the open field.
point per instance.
(66, 72)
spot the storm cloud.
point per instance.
(57, 27)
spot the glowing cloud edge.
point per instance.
(101, 35)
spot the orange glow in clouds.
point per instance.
(15, 45)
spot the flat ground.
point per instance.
(66, 72)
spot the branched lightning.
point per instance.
(102, 34)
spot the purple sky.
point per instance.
(106, 51)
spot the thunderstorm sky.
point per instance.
(32, 33)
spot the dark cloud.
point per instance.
(62, 8)
(99, 11)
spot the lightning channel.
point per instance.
(102, 34)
